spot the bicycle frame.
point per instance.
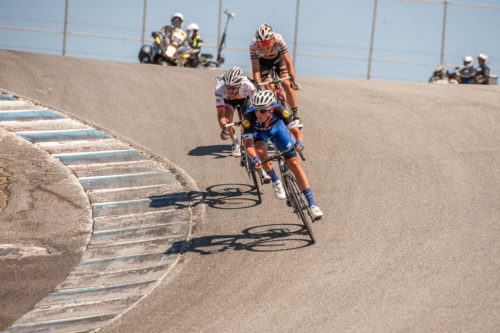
(276, 82)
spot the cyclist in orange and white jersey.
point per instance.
(268, 50)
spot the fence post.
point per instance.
(143, 38)
(441, 59)
(65, 27)
(372, 39)
(296, 32)
(220, 24)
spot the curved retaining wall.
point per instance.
(141, 216)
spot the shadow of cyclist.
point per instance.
(263, 238)
(220, 196)
(218, 151)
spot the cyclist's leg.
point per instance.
(282, 72)
(284, 141)
(260, 146)
(265, 69)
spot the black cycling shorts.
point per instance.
(266, 65)
(241, 105)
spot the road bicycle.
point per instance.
(277, 88)
(295, 198)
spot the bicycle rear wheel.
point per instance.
(299, 204)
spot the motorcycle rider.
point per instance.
(268, 50)
(195, 40)
(176, 22)
(467, 73)
(267, 118)
(483, 71)
(145, 53)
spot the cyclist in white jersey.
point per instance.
(234, 91)
(268, 50)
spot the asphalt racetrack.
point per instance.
(407, 175)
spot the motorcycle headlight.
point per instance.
(170, 51)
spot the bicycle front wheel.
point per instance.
(252, 174)
(299, 204)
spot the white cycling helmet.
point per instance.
(264, 99)
(468, 60)
(264, 33)
(193, 26)
(482, 56)
(233, 76)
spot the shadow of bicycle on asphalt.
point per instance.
(220, 196)
(263, 238)
(218, 151)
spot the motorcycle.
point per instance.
(196, 59)
(168, 49)
(441, 77)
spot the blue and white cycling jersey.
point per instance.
(281, 121)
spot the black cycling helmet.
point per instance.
(264, 99)
(233, 76)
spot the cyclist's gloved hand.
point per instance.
(295, 85)
(256, 163)
(298, 143)
(224, 135)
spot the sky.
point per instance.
(333, 38)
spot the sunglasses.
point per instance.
(265, 43)
(232, 88)
(263, 110)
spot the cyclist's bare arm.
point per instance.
(297, 134)
(252, 153)
(256, 70)
(291, 69)
(223, 119)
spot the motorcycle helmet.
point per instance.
(193, 26)
(233, 76)
(468, 61)
(264, 33)
(145, 54)
(483, 57)
(264, 99)
(177, 20)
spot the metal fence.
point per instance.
(370, 59)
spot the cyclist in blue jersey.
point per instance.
(264, 119)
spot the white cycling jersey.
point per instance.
(247, 89)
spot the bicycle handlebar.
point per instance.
(262, 84)
(236, 123)
(283, 153)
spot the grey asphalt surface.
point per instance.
(45, 225)
(406, 174)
